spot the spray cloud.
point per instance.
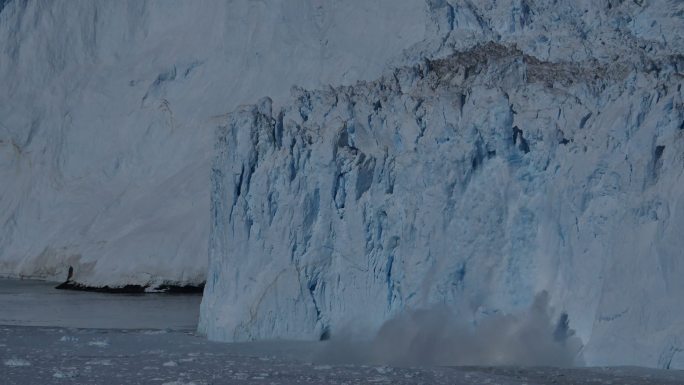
(436, 336)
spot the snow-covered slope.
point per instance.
(106, 110)
(539, 149)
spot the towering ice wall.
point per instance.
(106, 111)
(530, 146)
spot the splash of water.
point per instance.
(437, 336)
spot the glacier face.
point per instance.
(525, 147)
(106, 111)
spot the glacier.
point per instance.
(467, 154)
(106, 112)
(523, 147)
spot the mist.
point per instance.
(437, 337)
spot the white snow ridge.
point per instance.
(105, 145)
(526, 149)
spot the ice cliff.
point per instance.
(526, 146)
(106, 111)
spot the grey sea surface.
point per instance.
(38, 303)
(56, 337)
